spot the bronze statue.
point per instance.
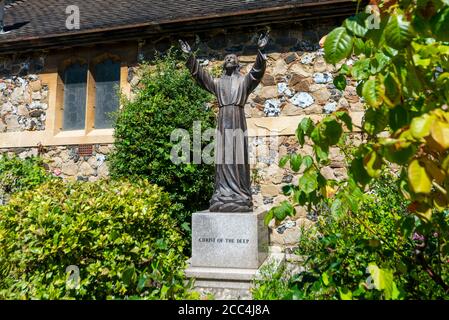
(232, 171)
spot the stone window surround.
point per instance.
(91, 93)
(52, 77)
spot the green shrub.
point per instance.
(272, 284)
(120, 236)
(167, 99)
(372, 254)
(18, 175)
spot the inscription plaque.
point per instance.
(229, 240)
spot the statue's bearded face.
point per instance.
(231, 62)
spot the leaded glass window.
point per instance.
(107, 80)
(75, 88)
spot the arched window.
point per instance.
(107, 82)
(75, 88)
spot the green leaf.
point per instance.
(345, 293)
(373, 164)
(396, 293)
(308, 182)
(321, 153)
(375, 121)
(420, 126)
(398, 117)
(338, 45)
(418, 178)
(440, 24)
(307, 162)
(443, 83)
(356, 25)
(284, 210)
(419, 61)
(340, 82)
(382, 280)
(300, 136)
(359, 46)
(346, 118)
(186, 227)
(445, 164)
(295, 162)
(358, 171)
(283, 161)
(307, 126)
(373, 92)
(423, 211)
(141, 284)
(128, 275)
(408, 226)
(379, 62)
(359, 88)
(440, 133)
(325, 278)
(331, 131)
(287, 189)
(404, 189)
(392, 91)
(300, 197)
(337, 208)
(398, 32)
(268, 217)
(399, 155)
(344, 70)
(161, 244)
(361, 69)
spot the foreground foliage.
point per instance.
(118, 235)
(371, 254)
(402, 70)
(20, 174)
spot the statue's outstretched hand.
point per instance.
(185, 46)
(263, 40)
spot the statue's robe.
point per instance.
(232, 170)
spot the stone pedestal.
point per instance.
(227, 251)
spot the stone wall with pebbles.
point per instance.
(68, 163)
(23, 97)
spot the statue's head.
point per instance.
(231, 63)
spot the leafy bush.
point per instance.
(272, 284)
(18, 175)
(119, 235)
(375, 253)
(167, 99)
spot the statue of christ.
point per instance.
(232, 170)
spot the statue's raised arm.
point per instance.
(202, 77)
(263, 40)
(256, 73)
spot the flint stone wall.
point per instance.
(23, 98)
(67, 163)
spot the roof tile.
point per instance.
(46, 18)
